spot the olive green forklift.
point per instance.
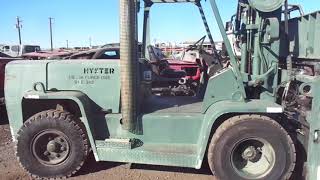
(257, 118)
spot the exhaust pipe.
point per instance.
(128, 64)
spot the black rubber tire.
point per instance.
(242, 127)
(61, 121)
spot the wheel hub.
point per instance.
(250, 153)
(253, 158)
(51, 147)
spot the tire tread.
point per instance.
(241, 118)
(63, 116)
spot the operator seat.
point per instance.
(160, 66)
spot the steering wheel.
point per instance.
(197, 45)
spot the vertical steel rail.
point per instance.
(286, 29)
(128, 64)
(146, 29)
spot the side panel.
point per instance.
(163, 139)
(156, 128)
(19, 78)
(222, 86)
(98, 79)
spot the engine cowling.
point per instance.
(266, 5)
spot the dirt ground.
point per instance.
(11, 170)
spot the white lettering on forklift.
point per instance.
(32, 96)
(274, 110)
(98, 70)
(87, 79)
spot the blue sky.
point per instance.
(78, 20)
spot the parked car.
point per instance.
(18, 50)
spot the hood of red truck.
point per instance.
(179, 62)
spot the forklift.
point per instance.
(257, 118)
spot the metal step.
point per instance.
(116, 143)
(156, 154)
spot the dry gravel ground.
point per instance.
(11, 170)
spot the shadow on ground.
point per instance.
(3, 116)
(91, 166)
(205, 170)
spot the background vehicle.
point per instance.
(18, 50)
(41, 55)
(171, 77)
(99, 53)
(256, 118)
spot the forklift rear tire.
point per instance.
(251, 147)
(52, 144)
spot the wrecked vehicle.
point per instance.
(101, 53)
(18, 50)
(182, 76)
(40, 55)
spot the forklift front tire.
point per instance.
(251, 147)
(52, 144)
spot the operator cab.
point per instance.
(160, 67)
(180, 77)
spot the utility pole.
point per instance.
(50, 25)
(90, 42)
(19, 26)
